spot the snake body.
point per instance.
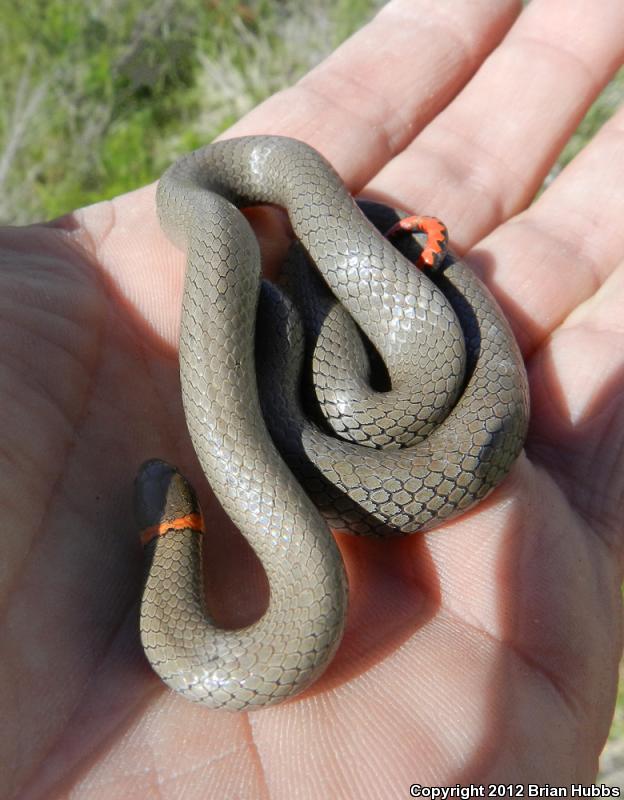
(396, 461)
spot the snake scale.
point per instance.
(431, 443)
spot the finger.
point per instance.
(577, 382)
(545, 262)
(366, 102)
(359, 107)
(559, 275)
(484, 157)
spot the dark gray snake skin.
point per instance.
(439, 441)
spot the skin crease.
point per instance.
(486, 651)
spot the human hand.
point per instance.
(483, 652)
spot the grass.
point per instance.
(617, 726)
(97, 96)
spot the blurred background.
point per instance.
(97, 97)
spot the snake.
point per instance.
(359, 394)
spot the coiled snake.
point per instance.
(396, 461)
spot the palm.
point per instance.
(484, 652)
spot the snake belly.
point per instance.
(447, 349)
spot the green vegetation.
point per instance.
(617, 726)
(98, 96)
(597, 115)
